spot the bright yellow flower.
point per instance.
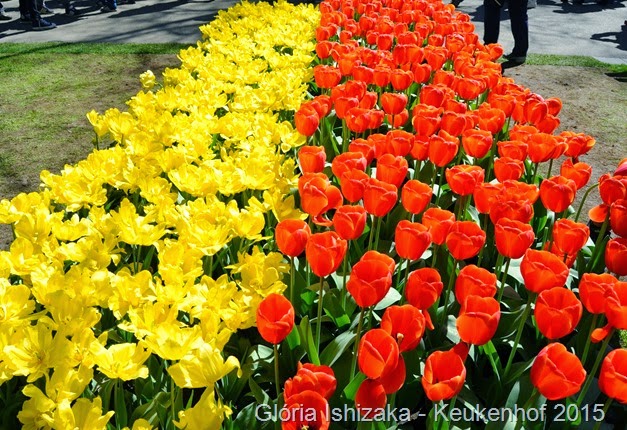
(207, 414)
(15, 303)
(148, 80)
(38, 411)
(84, 414)
(202, 367)
(136, 229)
(124, 361)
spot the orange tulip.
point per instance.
(420, 149)
(327, 76)
(478, 320)
(401, 79)
(379, 197)
(370, 397)
(557, 193)
(422, 72)
(322, 104)
(317, 195)
(491, 119)
(474, 281)
(517, 210)
(455, 123)
(306, 120)
(343, 105)
(580, 172)
(469, 88)
(370, 280)
(439, 222)
(570, 236)
(442, 148)
(353, 184)
(325, 252)
(366, 147)
(444, 375)
(394, 380)
(513, 237)
(578, 144)
(378, 353)
(486, 195)
(393, 103)
(381, 76)
(307, 409)
(435, 94)
(542, 270)
(557, 312)
(613, 376)
(612, 188)
(515, 190)
(616, 256)
(363, 73)
(464, 178)
(312, 159)
(543, 147)
(405, 324)
(465, 239)
(618, 217)
(415, 196)
(515, 149)
(350, 221)
(557, 373)
(391, 169)
(477, 143)
(411, 239)
(424, 287)
(506, 168)
(593, 290)
(320, 379)
(291, 236)
(616, 306)
(323, 48)
(348, 161)
(399, 142)
(426, 119)
(275, 318)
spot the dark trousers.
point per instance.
(29, 7)
(518, 20)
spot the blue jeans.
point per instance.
(518, 19)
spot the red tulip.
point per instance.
(415, 196)
(612, 188)
(442, 148)
(399, 142)
(379, 197)
(350, 221)
(317, 194)
(411, 239)
(312, 159)
(439, 222)
(306, 120)
(465, 239)
(515, 149)
(464, 178)
(542, 270)
(578, 144)
(512, 237)
(327, 76)
(348, 161)
(478, 320)
(557, 373)
(405, 324)
(444, 375)
(506, 168)
(517, 210)
(477, 143)
(618, 217)
(393, 103)
(365, 146)
(275, 318)
(557, 193)
(320, 379)
(370, 397)
(616, 256)
(474, 281)
(570, 236)
(370, 280)
(579, 172)
(307, 409)
(485, 195)
(616, 306)
(325, 252)
(394, 380)
(353, 184)
(391, 169)
(593, 290)
(291, 236)
(426, 119)
(378, 354)
(543, 147)
(424, 287)
(613, 375)
(557, 312)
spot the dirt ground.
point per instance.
(593, 103)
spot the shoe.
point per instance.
(4, 16)
(71, 11)
(42, 24)
(25, 18)
(107, 9)
(45, 10)
(520, 59)
(456, 3)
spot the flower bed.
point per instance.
(429, 277)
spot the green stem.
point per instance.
(595, 367)
(436, 248)
(276, 373)
(449, 287)
(503, 279)
(583, 200)
(345, 269)
(534, 395)
(319, 318)
(484, 227)
(597, 248)
(437, 198)
(372, 227)
(535, 172)
(548, 175)
(595, 320)
(292, 280)
(404, 283)
(376, 234)
(606, 407)
(357, 339)
(521, 326)
(497, 266)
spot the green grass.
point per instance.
(573, 60)
(12, 49)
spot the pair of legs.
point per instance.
(518, 19)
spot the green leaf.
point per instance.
(261, 397)
(293, 339)
(306, 334)
(121, 414)
(333, 308)
(336, 348)
(392, 296)
(517, 371)
(490, 351)
(351, 388)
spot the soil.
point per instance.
(593, 103)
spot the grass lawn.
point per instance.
(46, 91)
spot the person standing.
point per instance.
(28, 8)
(520, 28)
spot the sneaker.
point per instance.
(45, 10)
(4, 16)
(515, 58)
(107, 9)
(42, 24)
(71, 11)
